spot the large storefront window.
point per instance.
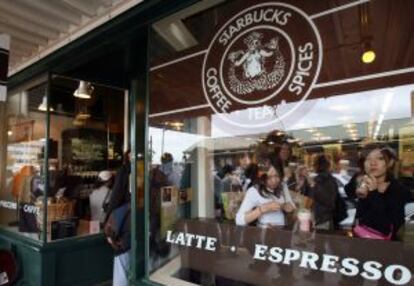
(281, 144)
(87, 128)
(85, 148)
(25, 173)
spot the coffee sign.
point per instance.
(274, 256)
(265, 54)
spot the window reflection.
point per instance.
(259, 176)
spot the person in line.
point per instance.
(267, 202)
(229, 179)
(324, 190)
(244, 161)
(381, 197)
(251, 177)
(302, 179)
(167, 167)
(120, 197)
(222, 183)
(285, 154)
(99, 198)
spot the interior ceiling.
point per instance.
(38, 27)
(390, 29)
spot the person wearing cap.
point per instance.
(99, 198)
(167, 167)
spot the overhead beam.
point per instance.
(23, 24)
(108, 2)
(38, 17)
(86, 7)
(23, 35)
(15, 53)
(20, 45)
(55, 8)
(173, 30)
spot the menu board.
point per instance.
(86, 148)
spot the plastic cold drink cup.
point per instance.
(304, 218)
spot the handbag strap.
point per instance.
(106, 197)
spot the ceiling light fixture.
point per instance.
(368, 56)
(84, 90)
(349, 125)
(43, 105)
(340, 107)
(368, 53)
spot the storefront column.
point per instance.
(203, 199)
(138, 102)
(4, 65)
(3, 143)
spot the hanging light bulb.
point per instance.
(368, 55)
(9, 132)
(84, 90)
(43, 105)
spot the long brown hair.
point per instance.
(263, 191)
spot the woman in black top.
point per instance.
(381, 197)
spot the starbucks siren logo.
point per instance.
(266, 54)
(255, 76)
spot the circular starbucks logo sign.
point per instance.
(263, 57)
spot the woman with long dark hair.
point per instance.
(267, 202)
(382, 198)
(251, 177)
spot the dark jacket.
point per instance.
(350, 188)
(384, 212)
(120, 191)
(120, 197)
(324, 195)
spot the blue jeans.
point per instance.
(121, 269)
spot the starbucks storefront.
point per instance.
(277, 131)
(272, 143)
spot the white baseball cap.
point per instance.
(104, 176)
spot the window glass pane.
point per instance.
(21, 204)
(86, 146)
(272, 137)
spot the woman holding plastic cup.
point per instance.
(380, 209)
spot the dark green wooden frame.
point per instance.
(140, 18)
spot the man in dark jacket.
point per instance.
(119, 207)
(324, 191)
(120, 192)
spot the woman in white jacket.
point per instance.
(266, 202)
